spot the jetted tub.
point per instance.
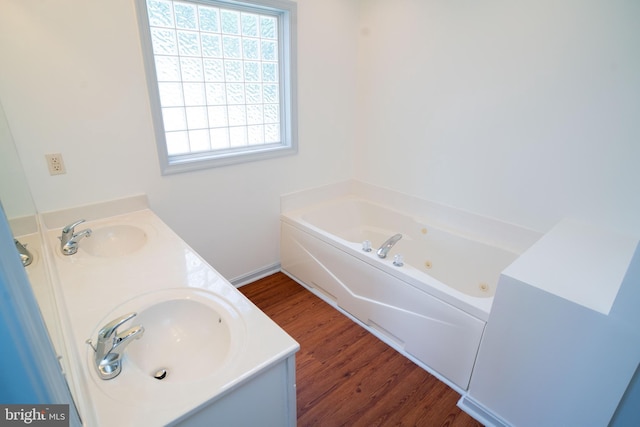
(433, 309)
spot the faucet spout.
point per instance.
(386, 246)
(69, 238)
(25, 255)
(124, 339)
(110, 347)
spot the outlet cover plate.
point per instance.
(55, 164)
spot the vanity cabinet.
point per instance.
(268, 399)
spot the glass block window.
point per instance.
(221, 78)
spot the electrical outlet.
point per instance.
(55, 163)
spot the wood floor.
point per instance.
(345, 375)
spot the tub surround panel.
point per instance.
(443, 338)
(561, 344)
(625, 306)
(547, 361)
(575, 252)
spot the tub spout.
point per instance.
(386, 246)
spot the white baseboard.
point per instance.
(255, 275)
(480, 413)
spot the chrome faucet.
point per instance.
(25, 255)
(111, 345)
(69, 238)
(386, 246)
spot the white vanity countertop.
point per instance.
(92, 287)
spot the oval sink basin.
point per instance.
(184, 338)
(190, 335)
(114, 240)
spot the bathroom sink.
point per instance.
(184, 340)
(190, 335)
(114, 240)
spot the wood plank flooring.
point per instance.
(345, 375)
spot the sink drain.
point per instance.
(160, 374)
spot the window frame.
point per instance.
(286, 13)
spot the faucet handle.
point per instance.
(109, 329)
(69, 228)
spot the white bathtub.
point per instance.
(433, 309)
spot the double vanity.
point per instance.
(151, 333)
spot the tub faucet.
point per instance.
(69, 238)
(111, 345)
(386, 246)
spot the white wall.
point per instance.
(72, 81)
(525, 111)
(14, 190)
